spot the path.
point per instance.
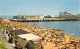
(8, 45)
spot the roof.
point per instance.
(19, 32)
(30, 36)
(48, 16)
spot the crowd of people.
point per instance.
(61, 40)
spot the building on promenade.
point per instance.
(28, 36)
(67, 15)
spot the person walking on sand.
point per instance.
(45, 41)
(56, 43)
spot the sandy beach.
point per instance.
(53, 38)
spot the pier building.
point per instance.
(19, 17)
(63, 16)
(31, 17)
(67, 15)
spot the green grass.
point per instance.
(1, 26)
(2, 44)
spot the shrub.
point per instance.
(30, 45)
(16, 37)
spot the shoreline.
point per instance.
(42, 32)
(66, 31)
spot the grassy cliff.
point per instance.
(1, 26)
(2, 44)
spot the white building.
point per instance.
(41, 17)
(30, 36)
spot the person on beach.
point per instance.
(45, 41)
(42, 47)
(56, 43)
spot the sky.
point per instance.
(38, 7)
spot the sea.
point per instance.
(6, 16)
(69, 27)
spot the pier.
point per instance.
(63, 16)
(43, 20)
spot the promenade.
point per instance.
(52, 38)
